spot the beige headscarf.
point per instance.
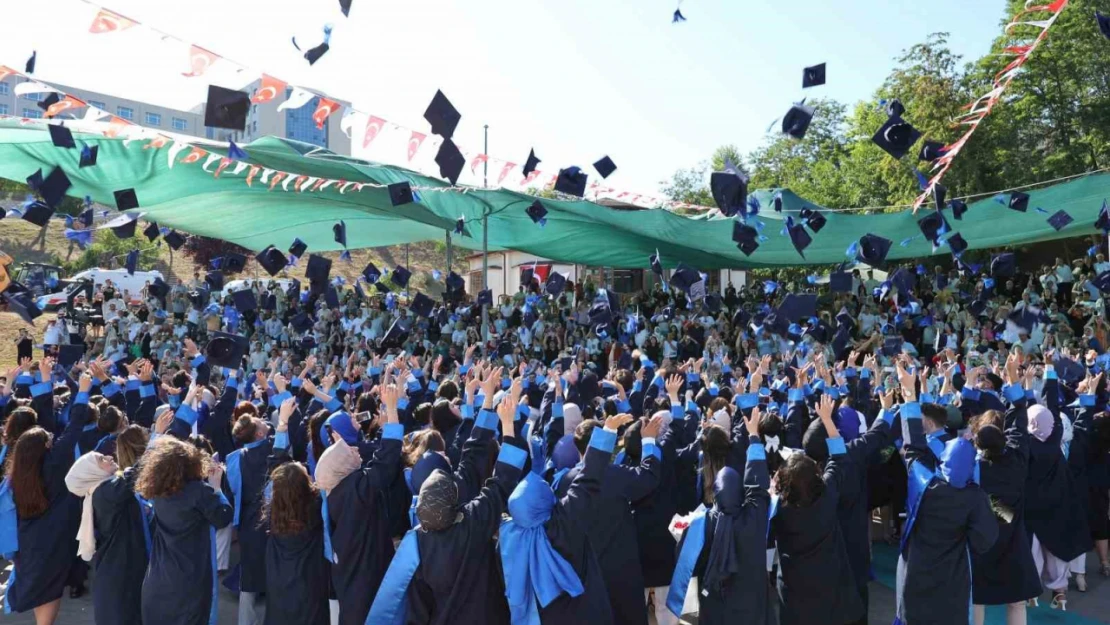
(83, 478)
(336, 463)
(572, 416)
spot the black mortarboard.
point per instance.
(600, 314)
(227, 108)
(537, 212)
(272, 260)
(684, 277)
(940, 192)
(339, 230)
(1060, 220)
(29, 68)
(556, 282)
(1026, 318)
(896, 137)
(233, 263)
(61, 137)
(798, 306)
(485, 298)
(345, 6)
(614, 301)
(400, 193)
(894, 108)
(301, 322)
(978, 307)
(214, 280)
(331, 297)
(605, 166)
(293, 293)
(371, 273)
(799, 238)
(298, 248)
(244, 300)
(796, 121)
(743, 233)
(571, 181)
(813, 76)
(892, 345)
(450, 161)
(904, 280)
(730, 192)
(126, 200)
(400, 276)
(50, 100)
(382, 287)
(933, 225)
(23, 304)
(531, 163)
(131, 263)
(931, 151)
(712, 303)
(199, 298)
(38, 213)
(873, 249)
(1019, 201)
(526, 277)
(397, 333)
(35, 180)
(88, 155)
(174, 239)
(454, 282)
(1003, 265)
(422, 305)
(123, 226)
(813, 218)
(840, 282)
(314, 54)
(151, 231)
(158, 288)
(1103, 24)
(225, 350)
(54, 187)
(956, 243)
(442, 116)
(318, 268)
(958, 208)
(69, 355)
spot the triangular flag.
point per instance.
(268, 90)
(374, 126)
(298, 98)
(199, 61)
(109, 22)
(323, 110)
(415, 141)
(68, 103)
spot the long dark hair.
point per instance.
(715, 445)
(315, 424)
(799, 481)
(293, 505)
(25, 473)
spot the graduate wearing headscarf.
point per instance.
(725, 548)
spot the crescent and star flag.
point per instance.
(505, 171)
(325, 108)
(69, 103)
(374, 126)
(199, 61)
(415, 141)
(478, 160)
(268, 90)
(194, 156)
(109, 22)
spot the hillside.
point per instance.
(23, 242)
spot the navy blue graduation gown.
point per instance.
(612, 532)
(122, 535)
(48, 543)
(360, 535)
(180, 583)
(853, 510)
(298, 576)
(1053, 511)
(253, 470)
(653, 513)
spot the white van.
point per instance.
(132, 284)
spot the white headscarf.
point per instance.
(572, 416)
(83, 478)
(723, 419)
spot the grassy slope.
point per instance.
(21, 241)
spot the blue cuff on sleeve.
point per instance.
(297, 383)
(24, 379)
(969, 394)
(691, 378)
(42, 388)
(486, 419)
(465, 369)
(836, 446)
(865, 374)
(234, 382)
(523, 412)
(795, 395)
(375, 371)
(110, 389)
(1029, 394)
(911, 410)
(403, 403)
(691, 406)
(345, 386)
(186, 414)
(433, 386)
(418, 373)
(726, 369)
(808, 390)
(1013, 392)
(624, 406)
(276, 400)
(198, 361)
(850, 372)
(281, 440)
(1049, 373)
(651, 449)
(467, 411)
(927, 398)
(833, 392)
(658, 381)
(147, 390)
(747, 400)
(133, 385)
(82, 398)
(393, 432)
(756, 452)
(888, 416)
(1087, 401)
(333, 405)
(557, 409)
(677, 412)
(637, 386)
(603, 440)
(512, 456)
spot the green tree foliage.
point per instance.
(109, 251)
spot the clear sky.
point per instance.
(576, 79)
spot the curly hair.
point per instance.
(799, 481)
(168, 466)
(987, 429)
(294, 503)
(25, 473)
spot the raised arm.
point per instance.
(586, 487)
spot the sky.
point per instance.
(573, 79)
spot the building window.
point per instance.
(34, 97)
(125, 112)
(4, 88)
(299, 125)
(153, 119)
(180, 124)
(98, 105)
(3, 109)
(32, 113)
(475, 281)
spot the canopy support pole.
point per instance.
(448, 272)
(485, 237)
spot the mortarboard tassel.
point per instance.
(678, 17)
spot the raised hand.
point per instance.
(506, 413)
(673, 385)
(163, 423)
(652, 428)
(616, 422)
(285, 412)
(85, 383)
(752, 422)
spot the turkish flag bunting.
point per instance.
(323, 110)
(109, 22)
(252, 173)
(374, 126)
(478, 160)
(116, 126)
(505, 171)
(157, 142)
(68, 103)
(268, 90)
(199, 61)
(194, 156)
(415, 141)
(6, 71)
(535, 173)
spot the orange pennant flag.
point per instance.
(68, 103)
(194, 156)
(324, 109)
(109, 22)
(116, 125)
(268, 90)
(199, 61)
(276, 178)
(157, 142)
(252, 173)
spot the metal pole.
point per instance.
(485, 236)
(448, 253)
(406, 255)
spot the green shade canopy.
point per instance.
(190, 197)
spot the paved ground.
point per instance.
(1087, 608)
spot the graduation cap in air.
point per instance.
(397, 333)
(61, 137)
(931, 151)
(485, 298)
(1060, 220)
(400, 193)
(454, 282)
(605, 166)
(873, 250)
(684, 277)
(86, 215)
(958, 208)
(29, 68)
(933, 225)
(225, 350)
(345, 6)
(151, 231)
(131, 263)
(798, 236)
(23, 304)
(35, 180)
(50, 100)
(1018, 201)
(798, 306)
(199, 298)
(214, 280)
(159, 289)
(526, 277)
(382, 287)
(340, 232)
(600, 314)
(54, 187)
(314, 54)
(400, 276)
(233, 263)
(123, 226)
(730, 192)
(537, 213)
(746, 237)
(796, 121)
(840, 282)
(940, 192)
(531, 163)
(298, 248)
(813, 218)
(227, 108)
(556, 282)
(442, 116)
(371, 273)
(1026, 318)
(69, 355)
(1103, 24)
(571, 181)
(331, 297)
(813, 76)
(956, 243)
(126, 200)
(318, 268)
(1003, 265)
(38, 213)
(896, 137)
(712, 303)
(244, 300)
(422, 305)
(301, 322)
(892, 345)
(88, 155)
(174, 239)
(450, 161)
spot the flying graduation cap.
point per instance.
(531, 163)
(571, 181)
(298, 248)
(61, 137)
(126, 200)
(314, 54)
(442, 116)
(873, 250)
(1060, 220)
(400, 193)
(796, 121)
(931, 151)
(1102, 20)
(226, 108)
(450, 161)
(730, 192)
(272, 260)
(896, 136)
(798, 236)
(371, 273)
(813, 76)
(933, 226)
(400, 276)
(958, 208)
(1018, 201)
(812, 218)
(605, 166)
(340, 232)
(88, 155)
(174, 239)
(746, 237)
(53, 188)
(537, 212)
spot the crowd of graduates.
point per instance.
(594, 459)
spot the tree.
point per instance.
(109, 251)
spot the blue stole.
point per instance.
(557, 478)
(77, 446)
(692, 545)
(146, 515)
(536, 445)
(389, 604)
(235, 476)
(919, 480)
(329, 554)
(3, 454)
(9, 524)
